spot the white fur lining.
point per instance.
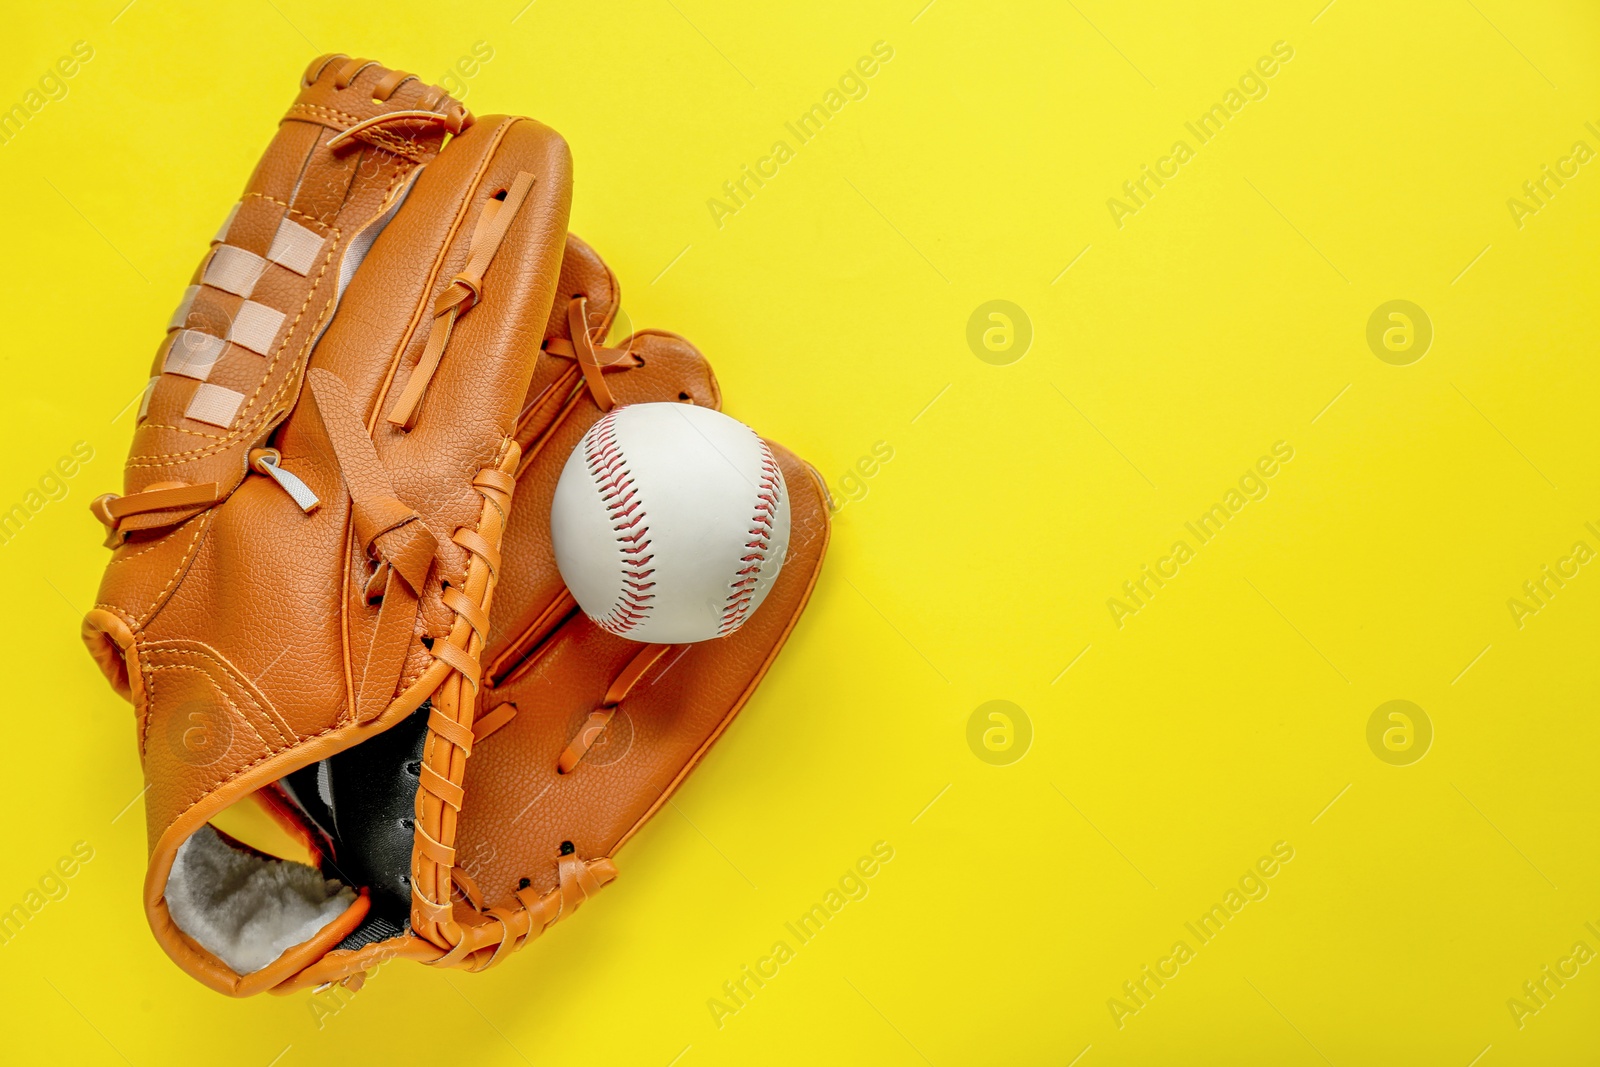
(247, 909)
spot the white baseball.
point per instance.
(670, 522)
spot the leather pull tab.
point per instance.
(269, 461)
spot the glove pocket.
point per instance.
(238, 919)
(531, 601)
(593, 733)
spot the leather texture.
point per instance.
(409, 625)
(250, 621)
(528, 826)
(373, 787)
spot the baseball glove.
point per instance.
(320, 595)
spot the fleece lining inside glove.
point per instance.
(244, 908)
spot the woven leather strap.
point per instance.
(450, 725)
(491, 935)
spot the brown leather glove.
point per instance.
(301, 593)
(581, 736)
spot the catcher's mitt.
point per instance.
(301, 601)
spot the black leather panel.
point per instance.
(374, 789)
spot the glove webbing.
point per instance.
(578, 879)
(450, 734)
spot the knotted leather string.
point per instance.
(389, 530)
(142, 510)
(464, 291)
(158, 496)
(591, 359)
(595, 724)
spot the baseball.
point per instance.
(670, 523)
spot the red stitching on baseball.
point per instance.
(608, 467)
(737, 607)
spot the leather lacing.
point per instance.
(179, 499)
(504, 928)
(595, 724)
(450, 726)
(339, 140)
(461, 295)
(454, 118)
(592, 359)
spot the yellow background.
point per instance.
(1228, 714)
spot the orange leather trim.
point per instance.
(439, 794)
(111, 644)
(165, 495)
(488, 724)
